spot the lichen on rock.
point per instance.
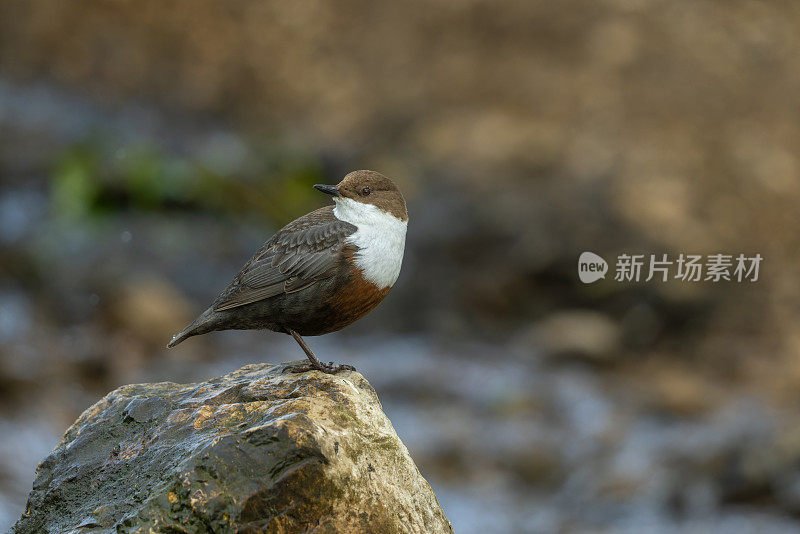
(256, 450)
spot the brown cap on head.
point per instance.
(370, 187)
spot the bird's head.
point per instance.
(371, 188)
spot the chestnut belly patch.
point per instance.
(354, 300)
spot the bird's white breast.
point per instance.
(380, 238)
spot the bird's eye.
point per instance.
(366, 191)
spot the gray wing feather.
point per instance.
(250, 295)
(300, 254)
(262, 273)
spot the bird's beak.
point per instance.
(331, 190)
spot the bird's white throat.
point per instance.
(380, 238)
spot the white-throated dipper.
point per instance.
(321, 272)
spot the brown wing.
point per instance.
(302, 252)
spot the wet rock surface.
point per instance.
(256, 450)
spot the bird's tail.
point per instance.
(203, 324)
(182, 335)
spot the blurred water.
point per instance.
(23, 444)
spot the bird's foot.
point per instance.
(330, 368)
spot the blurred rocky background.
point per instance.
(146, 149)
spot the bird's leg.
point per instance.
(314, 363)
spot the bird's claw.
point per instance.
(329, 368)
(333, 368)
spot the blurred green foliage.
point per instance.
(94, 179)
(74, 185)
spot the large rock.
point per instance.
(257, 450)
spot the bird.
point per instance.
(319, 273)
